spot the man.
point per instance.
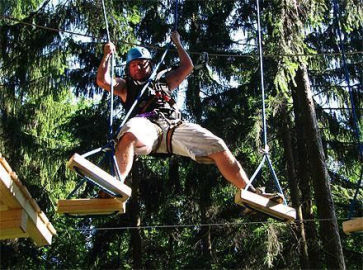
(155, 126)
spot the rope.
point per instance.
(147, 45)
(266, 148)
(226, 224)
(347, 78)
(176, 15)
(353, 111)
(111, 74)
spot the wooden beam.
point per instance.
(353, 225)
(91, 206)
(16, 196)
(265, 205)
(3, 206)
(5, 164)
(8, 189)
(13, 224)
(99, 176)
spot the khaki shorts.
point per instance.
(190, 140)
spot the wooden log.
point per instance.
(99, 176)
(265, 205)
(13, 224)
(353, 225)
(91, 206)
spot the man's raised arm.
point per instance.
(175, 77)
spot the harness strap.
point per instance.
(169, 136)
(148, 103)
(160, 134)
(172, 125)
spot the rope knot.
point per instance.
(265, 151)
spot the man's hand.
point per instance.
(109, 48)
(175, 37)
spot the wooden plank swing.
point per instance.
(96, 206)
(91, 206)
(353, 225)
(265, 205)
(20, 215)
(252, 200)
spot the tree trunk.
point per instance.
(302, 169)
(293, 185)
(134, 210)
(329, 232)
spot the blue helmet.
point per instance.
(137, 53)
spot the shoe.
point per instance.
(275, 197)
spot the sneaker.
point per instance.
(275, 197)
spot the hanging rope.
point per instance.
(351, 96)
(110, 132)
(347, 78)
(176, 17)
(266, 148)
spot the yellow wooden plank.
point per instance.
(40, 232)
(37, 229)
(3, 207)
(353, 225)
(98, 175)
(13, 224)
(91, 206)
(15, 195)
(7, 187)
(5, 164)
(265, 205)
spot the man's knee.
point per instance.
(225, 154)
(127, 139)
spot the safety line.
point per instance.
(145, 227)
(147, 45)
(112, 64)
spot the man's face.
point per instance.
(140, 69)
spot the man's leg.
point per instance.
(230, 168)
(125, 151)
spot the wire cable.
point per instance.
(148, 45)
(225, 224)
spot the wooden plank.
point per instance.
(13, 224)
(99, 176)
(353, 225)
(8, 189)
(265, 205)
(40, 232)
(91, 206)
(5, 164)
(3, 207)
(15, 195)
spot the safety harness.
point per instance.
(156, 104)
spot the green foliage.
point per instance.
(51, 108)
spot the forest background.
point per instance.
(182, 214)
